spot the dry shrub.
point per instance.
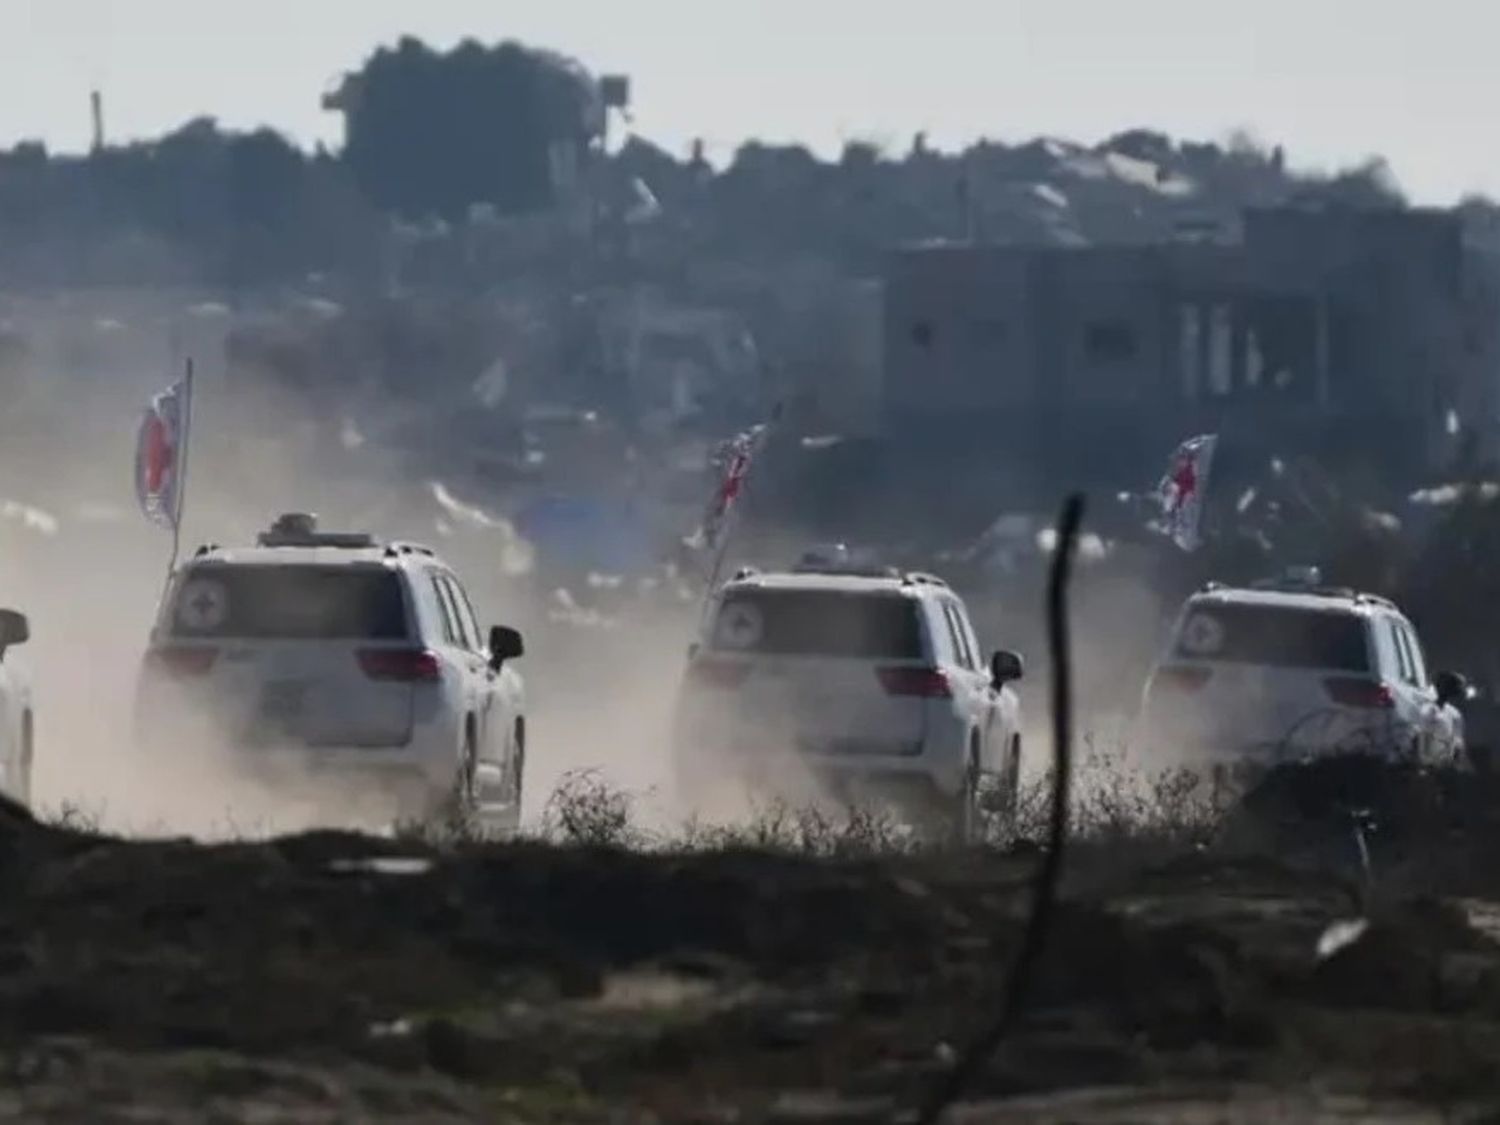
(848, 831)
(585, 810)
(1115, 801)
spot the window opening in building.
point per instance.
(1110, 341)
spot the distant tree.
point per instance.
(1142, 144)
(860, 156)
(265, 177)
(667, 177)
(431, 134)
(184, 187)
(1369, 184)
(1243, 144)
(758, 159)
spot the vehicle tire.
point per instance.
(517, 780)
(457, 808)
(960, 818)
(1010, 785)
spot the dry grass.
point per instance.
(1112, 803)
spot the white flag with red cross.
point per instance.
(735, 458)
(1182, 490)
(160, 455)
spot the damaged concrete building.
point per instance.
(1371, 335)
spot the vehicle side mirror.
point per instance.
(14, 629)
(505, 644)
(1452, 688)
(1006, 668)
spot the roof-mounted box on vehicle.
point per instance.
(300, 529)
(838, 559)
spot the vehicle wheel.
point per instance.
(961, 820)
(1010, 785)
(457, 808)
(517, 779)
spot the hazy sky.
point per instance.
(1334, 80)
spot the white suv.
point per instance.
(338, 653)
(17, 722)
(1291, 669)
(864, 678)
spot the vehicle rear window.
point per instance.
(819, 623)
(1278, 636)
(291, 603)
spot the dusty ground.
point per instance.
(313, 978)
(292, 980)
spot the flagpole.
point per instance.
(730, 519)
(713, 576)
(183, 440)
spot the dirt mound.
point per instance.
(334, 974)
(1421, 955)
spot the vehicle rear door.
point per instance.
(825, 671)
(316, 654)
(1264, 676)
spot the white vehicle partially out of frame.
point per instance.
(335, 654)
(1290, 669)
(859, 678)
(17, 711)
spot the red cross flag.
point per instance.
(160, 455)
(1181, 491)
(735, 458)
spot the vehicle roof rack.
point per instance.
(919, 578)
(849, 570)
(403, 548)
(1318, 591)
(837, 559)
(300, 529)
(1314, 589)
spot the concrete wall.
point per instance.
(960, 330)
(1109, 338)
(1288, 247)
(992, 329)
(1337, 326)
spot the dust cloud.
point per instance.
(77, 557)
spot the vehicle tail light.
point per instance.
(925, 683)
(718, 673)
(1355, 691)
(183, 660)
(400, 665)
(1183, 677)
